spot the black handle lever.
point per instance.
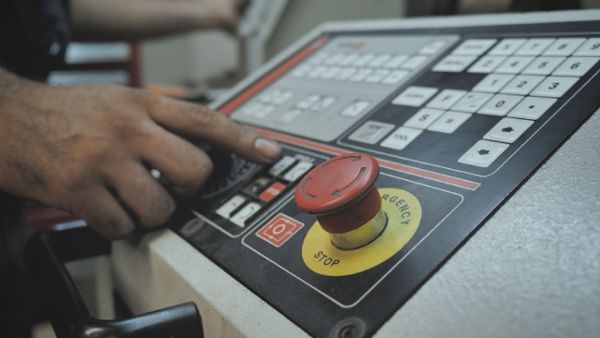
(46, 254)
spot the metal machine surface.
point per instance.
(464, 116)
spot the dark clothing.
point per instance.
(33, 36)
(16, 310)
(33, 39)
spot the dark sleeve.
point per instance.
(33, 35)
(10, 210)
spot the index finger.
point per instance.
(200, 122)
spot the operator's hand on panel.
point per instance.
(87, 150)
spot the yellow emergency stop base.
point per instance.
(403, 211)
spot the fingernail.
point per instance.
(267, 148)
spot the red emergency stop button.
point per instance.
(341, 193)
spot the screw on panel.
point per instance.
(348, 328)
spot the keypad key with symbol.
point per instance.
(483, 153)
(508, 130)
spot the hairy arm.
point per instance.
(141, 19)
(84, 149)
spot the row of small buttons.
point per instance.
(383, 68)
(482, 154)
(373, 60)
(244, 205)
(551, 87)
(267, 102)
(367, 75)
(523, 50)
(542, 65)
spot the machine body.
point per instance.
(457, 113)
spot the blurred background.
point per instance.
(199, 66)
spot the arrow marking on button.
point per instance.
(483, 152)
(354, 157)
(508, 129)
(361, 172)
(306, 193)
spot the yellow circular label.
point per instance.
(403, 212)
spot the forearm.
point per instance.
(138, 19)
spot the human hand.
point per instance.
(85, 149)
(223, 14)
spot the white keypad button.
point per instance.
(396, 61)
(283, 97)
(371, 132)
(264, 111)
(297, 171)
(534, 47)
(335, 59)
(486, 64)
(349, 59)
(268, 96)
(423, 118)
(355, 108)
(576, 66)
(226, 209)
(483, 153)
(379, 60)
(363, 60)
(281, 165)
(446, 98)
(522, 84)
(330, 73)
(474, 46)
(257, 110)
(361, 74)
(554, 86)
(454, 63)
(471, 102)
(514, 64)
(532, 107)
(395, 77)
(309, 101)
(506, 47)
(243, 215)
(316, 72)
(564, 46)
(345, 74)
(508, 130)
(414, 96)
(433, 47)
(251, 109)
(301, 71)
(289, 116)
(493, 83)
(500, 104)
(317, 58)
(323, 104)
(414, 62)
(449, 122)
(543, 65)
(400, 138)
(590, 48)
(377, 76)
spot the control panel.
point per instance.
(398, 145)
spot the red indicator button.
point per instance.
(275, 189)
(279, 230)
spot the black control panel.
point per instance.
(457, 118)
